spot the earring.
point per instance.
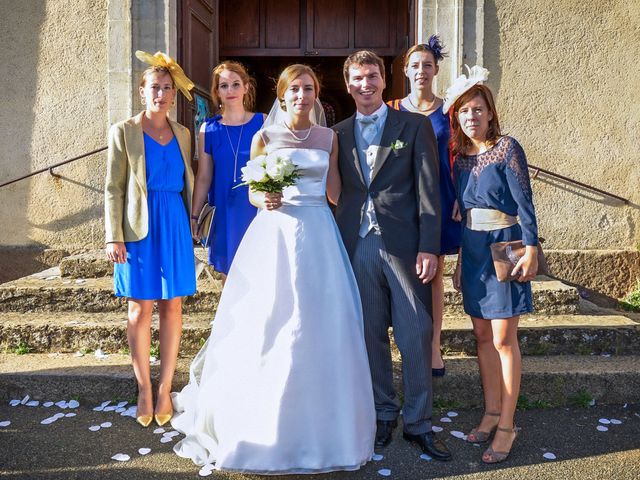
(173, 104)
(143, 101)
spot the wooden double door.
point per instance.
(267, 35)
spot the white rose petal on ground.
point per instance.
(166, 439)
(120, 410)
(25, 399)
(615, 421)
(436, 429)
(48, 421)
(94, 428)
(592, 402)
(33, 403)
(78, 354)
(426, 457)
(99, 354)
(121, 457)
(121, 404)
(14, 403)
(206, 470)
(61, 404)
(98, 409)
(110, 408)
(172, 434)
(445, 420)
(144, 451)
(601, 428)
(604, 421)
(376, 457)
(48, 404)
(457, 434)
(70, 414)
(5, 423)
(159, 430)
(385, 472)
(452, 414)
(549, 456)
(58, 415)
(73, 404)
(106, 425)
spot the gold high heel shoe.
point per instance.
(161, 419)
(144, 420)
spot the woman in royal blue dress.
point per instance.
(147, 205)
(224, 143)
(421, 67)
(496, 201)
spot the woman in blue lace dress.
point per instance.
(421, 67)
(494, 193)
(224, 142)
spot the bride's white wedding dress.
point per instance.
(282, 385)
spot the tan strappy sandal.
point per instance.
(478, 436)
(492, 456)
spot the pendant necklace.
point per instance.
(300, 139)
(417, 108)
(235, 151)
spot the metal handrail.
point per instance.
(51, 167)
(575, 182)
(536, 170)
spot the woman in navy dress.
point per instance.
(225, 141)
(147, 204)
(494, 193)
(421, 67)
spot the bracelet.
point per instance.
(194, 217)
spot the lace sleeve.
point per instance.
(517, 174)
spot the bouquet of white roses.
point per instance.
(268, 173)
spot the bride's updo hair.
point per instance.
(289, 74)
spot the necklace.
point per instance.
(300, 139)
(235, 151)
(419, 109)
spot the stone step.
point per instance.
(602, 331)
(48, 291)
(556, 380)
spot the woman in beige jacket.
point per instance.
(147, 207)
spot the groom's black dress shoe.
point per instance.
(384, 432)
(429, 444)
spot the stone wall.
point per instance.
(54, 80)
(567, 89)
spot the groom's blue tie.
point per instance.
(368, 128)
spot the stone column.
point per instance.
(444, 17)
(119, 60)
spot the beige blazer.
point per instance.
(126, 217)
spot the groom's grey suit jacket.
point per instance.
(404, 188)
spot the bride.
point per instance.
(282, 385)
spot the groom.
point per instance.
(389, 218)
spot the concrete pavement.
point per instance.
(67, 449)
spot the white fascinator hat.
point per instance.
(460, 85)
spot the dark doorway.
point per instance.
(268, 35)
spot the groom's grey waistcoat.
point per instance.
(404, 187)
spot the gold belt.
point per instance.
(487, 219)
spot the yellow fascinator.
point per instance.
(160, 59)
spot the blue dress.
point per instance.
(496, 179)
(161, 266)
(233, 210)
(451, 231)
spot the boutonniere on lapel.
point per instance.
(397, 145)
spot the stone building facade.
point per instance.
(563, 74)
